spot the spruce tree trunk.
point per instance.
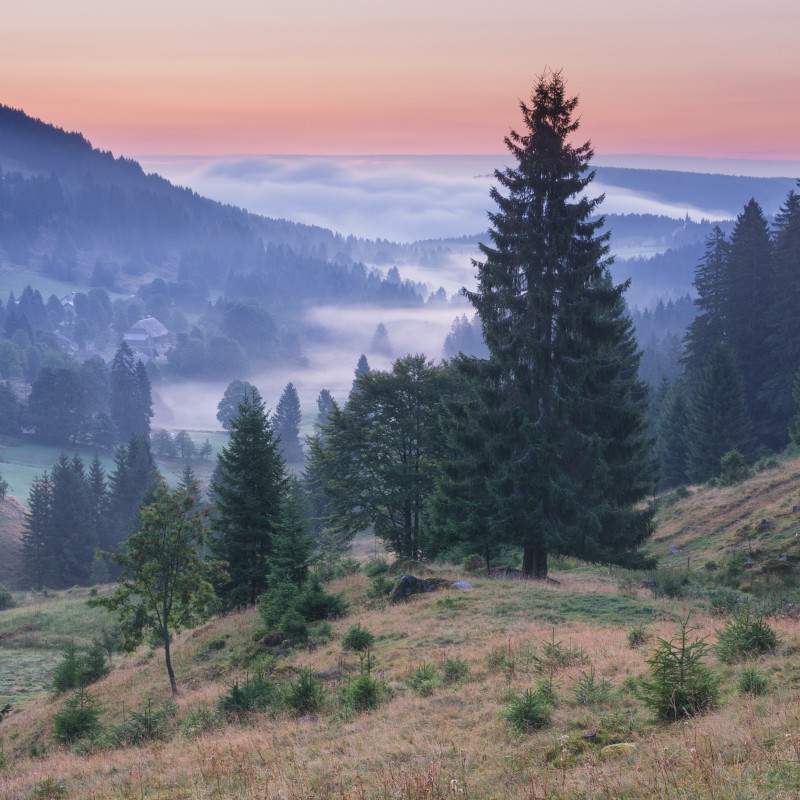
(534, 563)
(172, 683)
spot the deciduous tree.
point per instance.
(166, 581)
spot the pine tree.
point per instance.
(362, 368)
(131, 485)
(131, 401)
(73, 533)
(286, 421)
(291, 547)
(709, 328)
(569, 428)
(381, 345)
(717, 417)
(750, 291)
(249, 488)
(783, 340)
(325, 406)
(672, 432)
(37, 565)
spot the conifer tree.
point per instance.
(292, 546)
(362, 368)
(131, 485)
(286, 421)
(750, 291)
(673, 423)
(708, 329)
(325, 406)
(249, 487)
(569, 428)
(783, 340)
(37, 565)
(718, 419)
(131, 401)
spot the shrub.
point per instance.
(375, 567)
(293, 626)
(305, 694)
(527, 712)
(281, 597)
(364, 692)
(199, 721)
(454, 670)
(724, 600)
(744, 636)
(78, 718)
(314, 603)
(70, 672)
(358, 639)
(49, 789)
(424, 679)
(556, 655)
(149, 724)
(751, 681)
(6, 600)
(638, 635)
(734, 468)
(380, 586)
(588, 690)
(680, 682)
(95, 662)
(256, 693)
(670, 583)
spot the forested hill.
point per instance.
(78, 214)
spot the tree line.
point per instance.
(738, 390)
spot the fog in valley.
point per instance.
(348, 332)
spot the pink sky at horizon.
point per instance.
(714, 78)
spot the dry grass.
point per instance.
(450, 743)
(453, 742)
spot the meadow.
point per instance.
(452, 669)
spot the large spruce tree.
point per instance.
(249, 488)
(569, 429)
(749, 295)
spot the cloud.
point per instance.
(400, 198)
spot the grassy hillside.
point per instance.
(11, 514)
(452, 664)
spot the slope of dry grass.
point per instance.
(454, 742)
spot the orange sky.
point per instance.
(693, 77)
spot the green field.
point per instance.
(22, 461)
(33, 635)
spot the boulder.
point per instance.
(407, 585)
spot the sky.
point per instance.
(702, 78)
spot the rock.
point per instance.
(309, 718)
(461, 585)
(505, 572)
(406, 585)
(648, 583)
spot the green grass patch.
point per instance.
(557, 608)
(34, 634)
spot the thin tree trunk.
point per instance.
(172, 683)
